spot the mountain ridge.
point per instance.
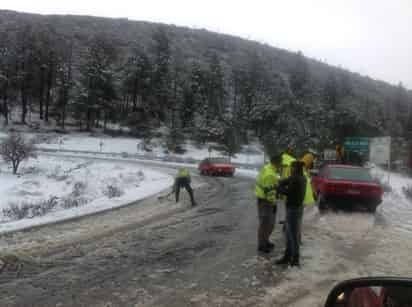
(196, 81)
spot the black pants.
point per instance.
(184, 183)
(293, 217)
(267, 217)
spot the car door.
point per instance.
(207, 165)
(204, 165)
(317, 180)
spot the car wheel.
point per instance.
(372, 208)
(321, 202)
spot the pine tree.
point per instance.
(216, 88)
(176, 137)
(401, 110)
(136, 79)
(161, 72)
(96, 89)
(331, 93)
(300, 78)
(197, 90)
(25, 64)
(7, 73)
(137, 89)
(65, 83)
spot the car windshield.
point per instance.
(219, 160)
(355, 174)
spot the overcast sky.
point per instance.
(371, 37)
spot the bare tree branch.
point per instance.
(15, 149)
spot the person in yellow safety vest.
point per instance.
(308, 159)
(183, 180)
(266, 184)
(340, 153)
(287, 160)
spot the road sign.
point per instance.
(357, 144)
(380, 150)
(329, 155)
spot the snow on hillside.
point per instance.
(251, 154)
(57, 188)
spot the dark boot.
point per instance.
(295, 262)
(270, 245)
(284, 260)
(264, 249)
(177, 192)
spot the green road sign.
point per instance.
(358, 144)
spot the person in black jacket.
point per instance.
(294, 189)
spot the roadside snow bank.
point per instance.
(51, 189)
(396, 181)
(246, 173)
(396, 207)
(340, 246)
(251, 154)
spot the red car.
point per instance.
(216, 167)
(346, 185)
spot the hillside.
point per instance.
(89, 72)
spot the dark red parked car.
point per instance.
(345, 186)
(216, 167)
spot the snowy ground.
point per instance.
(250, 154)
(58, 188)
(336, 246)
(68, 184)
(206, 256)
(248, 173)
(344, 245)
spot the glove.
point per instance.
(266, 190)
(269, 189)
(271, 196)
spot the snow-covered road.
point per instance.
(204, 256)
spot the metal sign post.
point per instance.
(389, 161)
(380, 152)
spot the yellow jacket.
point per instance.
(309, 199)
(183, 173)
(266, 183)
(286, 162)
